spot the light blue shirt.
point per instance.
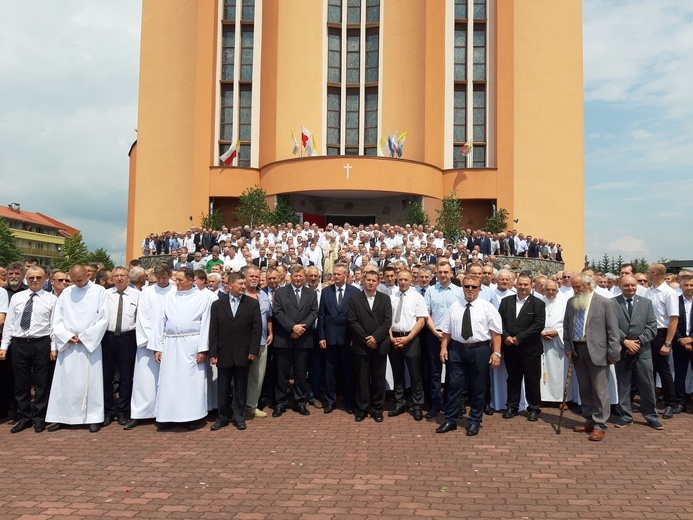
(439, 299)
(489, 295)
(265, 312)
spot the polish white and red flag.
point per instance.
(230, 154)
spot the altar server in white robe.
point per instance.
(79, 323)
(146, 378)
(554, 361)
(180, 337)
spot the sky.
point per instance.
(68, 113)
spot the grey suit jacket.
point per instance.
(602, 333)
(642, 325)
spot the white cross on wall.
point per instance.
(348, 168)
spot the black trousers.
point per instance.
(286, 359)
(661, 366)
(269, 384)
(339, 358)
(682, 358)
(523, 365)
(466, 367)
(316, 370)
(370, 382)
(31, 364)
(239, 377)
(411, 354)
(7, 385)
(119, 353)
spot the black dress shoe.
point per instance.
(446, 427)
(39, 426)
(122, 420)
(329, 408)
(350, 411)
(431, 414)
(488, 410)
(108, 420)
(131, 424)
(509, 414)
(359, 416)
(278, 411)
(218, 425)
(472, 430)
(377, 417)
(240, 425)
(668, 413)
(397, 410)
(418, 414)
(94, 428)
(161, 426)
(301, 409)
(679, 408)
(533, 415)
(21, 426)
(55, 427)
(192, 425)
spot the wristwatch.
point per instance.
(667, 344)
(496, 354)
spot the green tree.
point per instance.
(640, 265)
(448, 220)
(252, 208)
(9, 252)
(213, 220)
(284, 212)
(416, 215)
(74, 252)
(498, 222)
(101, 255)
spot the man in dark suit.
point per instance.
(523, 317)
(683, 343)
(591, 336)
(262, 261)
(235, 331)
(638, 326)
(334, 336)
(370, 317)
(295, 311)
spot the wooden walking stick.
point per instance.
(565, 393)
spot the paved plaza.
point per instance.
(330, 467)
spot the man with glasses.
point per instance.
(472, 331)
(27, 333)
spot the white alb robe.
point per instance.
(180, 332)
(554, 361)
(146, 376)
(77, 391)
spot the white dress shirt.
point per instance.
(130, 300)
(485, 319)
(41, 315)
(413, 307)
(665, 302)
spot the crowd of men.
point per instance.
(228, 320)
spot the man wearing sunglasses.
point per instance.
(471, 342)
(27, 332)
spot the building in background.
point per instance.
(37, 234)
(505, 75)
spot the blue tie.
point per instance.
(578, 330)
(234, 306)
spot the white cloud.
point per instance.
(629, 244)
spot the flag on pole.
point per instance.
(230, 154)
(400, 143)
(381, 146)
(296, 149)
(315, 147)
(466, 148)
(308, 141)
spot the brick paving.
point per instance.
(330, 467)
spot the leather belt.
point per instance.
(400, 334)
(27, 341)
(471, 345)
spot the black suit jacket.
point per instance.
(526, 327)
(333, 321)
(365, 322)
(233, 338)
(261, 262)
(287, 312)
(681, 327)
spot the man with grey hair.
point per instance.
(138, 278)
(591, 337)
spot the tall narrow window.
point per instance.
(229, 10)
(352, 93)
(226, 114)
(247, 53)
(248, 10)
(470, 75)
(228, 52)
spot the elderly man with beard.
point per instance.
(591, 337)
